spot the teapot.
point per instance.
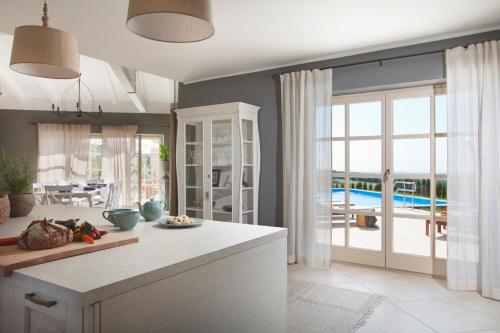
(152, 210)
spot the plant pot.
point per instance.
(4, 208)
(21, 204)
(164, 169)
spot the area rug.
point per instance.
(316, 308)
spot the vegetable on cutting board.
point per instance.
(8, 241)
(85, 232)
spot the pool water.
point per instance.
(374, 199)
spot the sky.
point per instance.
(410, 116)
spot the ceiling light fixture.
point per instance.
(45, 52)
(85, 103)
(176, 21)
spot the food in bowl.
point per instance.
(183, 219)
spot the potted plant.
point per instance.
(164, 157)
(16, 179)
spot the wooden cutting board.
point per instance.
(12, 257)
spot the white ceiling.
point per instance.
(23, 92)
(257, 34)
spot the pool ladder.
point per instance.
(405, 190)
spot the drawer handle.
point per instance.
(34, 299)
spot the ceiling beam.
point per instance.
(108, 81)
(127, 80)
(48, 90)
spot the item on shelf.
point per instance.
(152, 210)
(4, 208)
(216, 177)
(227, 208)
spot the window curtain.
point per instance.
(307, 165)
(473, 84)
(119, 160)
(63, 152)
(173, 203)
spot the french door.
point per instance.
(389, 179)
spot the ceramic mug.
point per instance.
(123, 218)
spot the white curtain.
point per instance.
(63, 152)
(119, 160)
(473, 84)
(307, 166)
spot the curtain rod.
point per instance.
(141, 125)
(379, 61)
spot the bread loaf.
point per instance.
(44, 235)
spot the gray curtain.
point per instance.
(174, 203)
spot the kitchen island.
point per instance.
(219, 277)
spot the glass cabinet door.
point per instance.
(194, 169)
(222, 170)
(247, 195)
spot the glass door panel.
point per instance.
(247, 194)
(357, 164)
(411, 236)
(194, 169)
(222, 170)
(389, 191)
(410, 182)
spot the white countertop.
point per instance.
(160, 253)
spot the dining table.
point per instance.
(88, 192)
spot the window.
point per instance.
(95, 158)
(147, 152)
(150, 166)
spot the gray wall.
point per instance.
(261, 89)
(19, 136)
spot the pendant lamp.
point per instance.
(176, 21)
(45, 52)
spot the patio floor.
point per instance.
(409, 235)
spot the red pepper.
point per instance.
(102, 232)
(8, 241)
(87, 239)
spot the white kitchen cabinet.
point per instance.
(218, 162)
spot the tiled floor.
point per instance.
(413, 303)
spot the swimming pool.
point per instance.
(374, 199)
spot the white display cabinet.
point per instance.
(218, 162)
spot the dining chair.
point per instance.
(59, 194)
(114, 193)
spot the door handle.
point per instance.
(36, 300)
(386, 175)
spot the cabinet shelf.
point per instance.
(222, 188)
(222, 165)
(194, 165)
(247, 141)
(194, 143)
(248, 211)
(218, 144)
(194, 209)
(247, 188)
(220, 212)
(194, 187)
